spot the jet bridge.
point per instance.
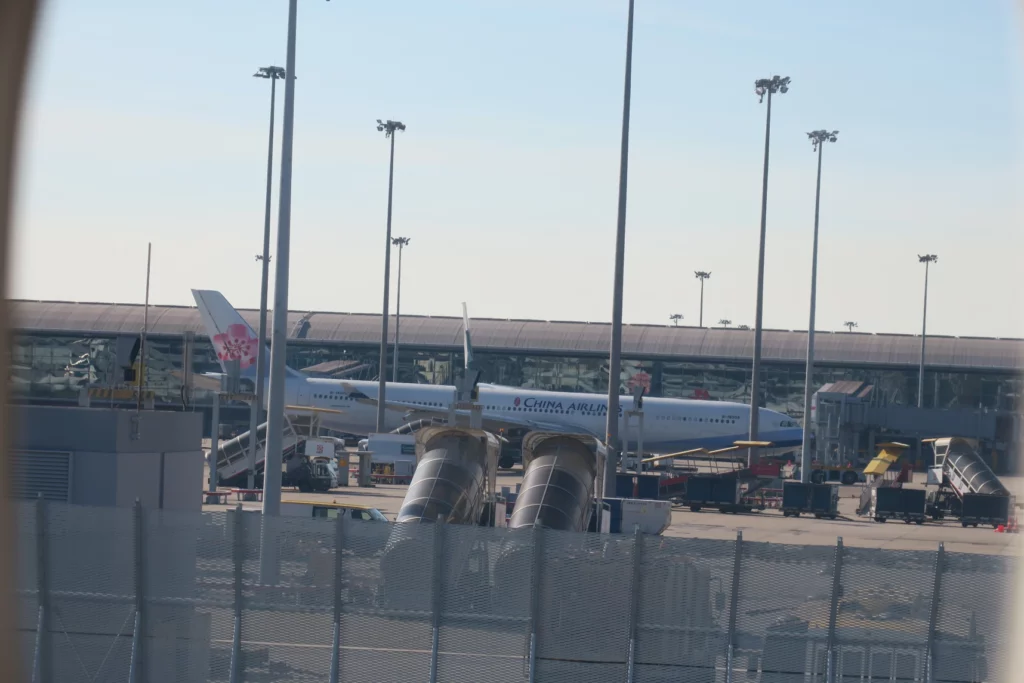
(848, 418)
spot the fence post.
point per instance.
(137, 660)
(43, 652)
(837, 570)
(238, 557)
(733, 605)
(634, 603)
(940, 558)
(336, 641)
(535, 585)
(438, 589)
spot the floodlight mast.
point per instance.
(818, 139)
(399, 242)
(701, 275)
(764, 87)
(927, 260)
(272, 73)
(388, 128)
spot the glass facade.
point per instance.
(55, 367)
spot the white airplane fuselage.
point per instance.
(669, 424)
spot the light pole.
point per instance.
(675, 318)
(273, 73)
(724, 322)
(388, 128)
(275, 403)
(762, 87)
(849, 324)
(615, 353)
(400, 242)
(702, 276)
(927, 260)
(818, 139)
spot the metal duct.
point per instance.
(449, 482)
(558, 484)
(416, 425)
(448, 485)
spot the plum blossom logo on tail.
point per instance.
(237, 344)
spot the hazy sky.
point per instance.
(143, 124)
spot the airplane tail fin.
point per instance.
(467, 343)
(232, 337)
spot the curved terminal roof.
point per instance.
(546, 337)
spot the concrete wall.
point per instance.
(93, 478)
(121, 455)
(183, 479)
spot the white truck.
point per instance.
(392, 457)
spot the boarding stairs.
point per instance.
(964, 471)
(233, 455)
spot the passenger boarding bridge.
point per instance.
(849, 419)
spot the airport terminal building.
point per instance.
(65, 346)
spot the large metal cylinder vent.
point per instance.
(978, 476)
(453, 464)
(451, 469)
(558, 484)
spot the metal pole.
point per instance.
(214, 441)
(755, 374)
(187, 355)
(137, 661)
(145, 326)
(535, 597)
(615, 355)
(634, 604)
(805, 453)
(924, 327)
(336, 640)
(238, 557)
(929, 661)
(261, 355)
(398, 306)
(275, 416)
(437, 577)
(837, 570)
(381, 388)
(700, 323)
(639, 441)
(733, 605)
(41, 666)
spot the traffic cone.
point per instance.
(1001, 529)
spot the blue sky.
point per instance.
(143, 123)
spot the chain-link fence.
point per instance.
(148, 596)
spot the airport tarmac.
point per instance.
(766, 526)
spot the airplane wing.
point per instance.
(413, 410)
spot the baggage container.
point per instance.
(825, 500)
(796, 498)
(983, 508)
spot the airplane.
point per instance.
(350, 406)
